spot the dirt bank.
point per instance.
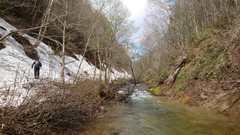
(212, 94)
(210, 77)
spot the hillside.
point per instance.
(45, 105)
(16, 64)
(196, 59)
(83, 64)
(210, 77)
(87, 32)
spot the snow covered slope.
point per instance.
(15, 65)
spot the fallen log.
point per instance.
(171, 79)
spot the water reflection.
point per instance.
(148, 115)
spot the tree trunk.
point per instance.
(171, 79)
(64, 44)
(44, 23)
(100, 63)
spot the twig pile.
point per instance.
(52, 109)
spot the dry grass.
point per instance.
(54, 107)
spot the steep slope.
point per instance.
(210, 77)
(45, 105)
(83, 29)
(16, 65)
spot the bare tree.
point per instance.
(91, 32)
(121, 28)
(44, 23)
(64, 41)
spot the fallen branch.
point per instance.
(2, 39)
(171, 79)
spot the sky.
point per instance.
(138, 12)
(138, 9)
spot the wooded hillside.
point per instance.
(195, 57)
(78, 25)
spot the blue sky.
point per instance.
(138, 13)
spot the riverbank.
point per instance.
(207, 74)
(209, 95)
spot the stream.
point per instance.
(150, 115)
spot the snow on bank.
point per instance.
(15, 65)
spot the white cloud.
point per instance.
(138, 12)
(135, 6)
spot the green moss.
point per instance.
(155, 90)
(180, 87)
(183, 76)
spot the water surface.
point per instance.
(149, 115)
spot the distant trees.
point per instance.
(121, 29)
(95, 29)
(103, 24)
(187, 18)
(154, 43)
(114, 30)
(170, 27)
(190, 17)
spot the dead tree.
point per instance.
(171, 79)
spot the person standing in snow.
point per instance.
(37, 65)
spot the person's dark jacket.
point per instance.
(36, 64)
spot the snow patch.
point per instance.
(15, 66)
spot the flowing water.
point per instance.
(149, 115)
